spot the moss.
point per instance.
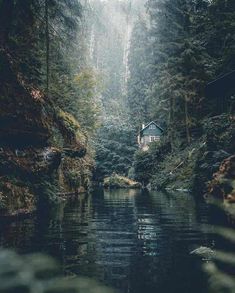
(75, 174)
(70, 128)
(116, 181)
(34, 136)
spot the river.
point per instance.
(135, 241)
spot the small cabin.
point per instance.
(149, 133)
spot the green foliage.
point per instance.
(175, 51)
(107, 46)
(39, 273)
(143, 166)
(115, 146)
(146, 163)
(87, 84)
(172, 59)
(70, 128)
(42, 68)
(220, 269)
(140, 75)
(73, 179)
(220, 133)
(117, 181)
(218, 144)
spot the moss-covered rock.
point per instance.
(77, 164)
(34, 138)
(75, 174)
(116, 181)
(74, 137)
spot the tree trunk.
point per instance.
(171, 118)
(186, 121)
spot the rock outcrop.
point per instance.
(116, 181)
(223, 184)
(35, 137)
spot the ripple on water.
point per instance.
(132, 240)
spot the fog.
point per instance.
(111, 23)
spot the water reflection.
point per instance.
(132, 240)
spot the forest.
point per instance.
(81, 82)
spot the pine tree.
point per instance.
(140, 75)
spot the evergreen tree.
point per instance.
(140, 74)
(181, 42)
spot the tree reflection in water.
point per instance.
(129, 239)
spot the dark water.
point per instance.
(131, 240)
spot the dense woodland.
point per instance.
(95, 71)
(78, 78)
(175, 52)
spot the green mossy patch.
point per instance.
(70, 129)
(116, 181)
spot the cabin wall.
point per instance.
(144, 139)
(152, 132)
(147, 139)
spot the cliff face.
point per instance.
(223, 184)
(24, 119)
(34, 137)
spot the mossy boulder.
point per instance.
(117, 181)
(75, 139)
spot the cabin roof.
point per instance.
(222, 86)
(152, 122)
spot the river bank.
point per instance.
(191, 167)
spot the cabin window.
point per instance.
(154, 138)
(152, 126)
(157, 138)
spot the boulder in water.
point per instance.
(206, 253)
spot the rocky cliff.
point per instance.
(40, 145)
